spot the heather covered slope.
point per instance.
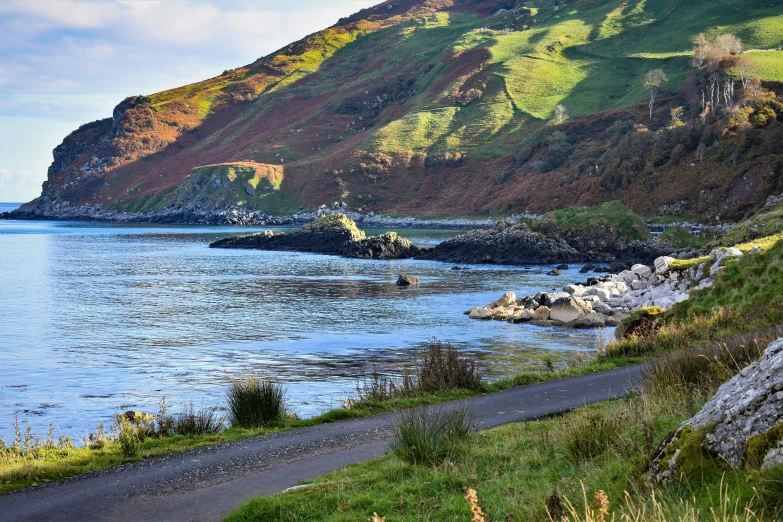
(439, 107)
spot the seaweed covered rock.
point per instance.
(334, 234)
(505, 244)
(742, 425)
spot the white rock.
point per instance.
(662, 264)
(642, 271)
(575, 290)
(480, 313)
(505, 300)
(621, 286)
(639, 285)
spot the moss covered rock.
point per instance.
(742, 425)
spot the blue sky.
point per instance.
(68, 62)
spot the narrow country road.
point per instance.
(209, 483)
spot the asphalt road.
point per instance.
(209, 483)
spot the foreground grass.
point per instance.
(514, 469)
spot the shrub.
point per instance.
(130, 437)
(429, 436)
(590, 433)
(192, 422)
(379, 387)
(441, 367)
(255, 402)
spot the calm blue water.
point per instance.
(96, 318)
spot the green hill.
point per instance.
(441, 107)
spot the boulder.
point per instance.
(480, 313)
(723, 257)
(562, 266)
(662, 264)
(554, 272)
(591, 320)
(742, 425)
(547, 298)
(506, 299)
(541, 313)
(407, 280)
(642, 271)
(575, 290)
(568, 309)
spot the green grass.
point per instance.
(679, 237)
(746, 296)
(513, 469)
(620, 221)
(767, 222)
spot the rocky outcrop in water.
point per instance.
(742, 425)
(505, 244)
(334, 234)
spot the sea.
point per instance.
(99, 318)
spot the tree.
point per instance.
(700, 151)
(676, 114)
(560, 115)
(653, 81)
(700, 44)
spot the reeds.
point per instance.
(255, 402)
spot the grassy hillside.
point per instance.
(441, 107)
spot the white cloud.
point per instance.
(19, 185)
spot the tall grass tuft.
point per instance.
(429, 436)
(197, 422)
(705, 368)
(442, 367)
(255, 402)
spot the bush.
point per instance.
(429, 436)
(442, 367)
(379, 387)
(590, 433)
(203, 421)
(255, 402)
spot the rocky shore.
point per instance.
(607, 300)
(236, 215)
(335, 234)
(509, 244)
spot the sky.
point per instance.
(68, 62)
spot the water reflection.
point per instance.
(98, 317)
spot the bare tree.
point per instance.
(728, 44)
(700, 151)
(700, 44)
(653, 81)
(676, 114)
(560, 115)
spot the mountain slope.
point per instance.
(435, 107)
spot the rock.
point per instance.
(250, 189)
(138, 417)
(334, 234)
(480, 313)
(591, 320)
(547, 298)
(506, 299)
(601, 293)
(616, 319)
(662, 264)
(723, 257)
(586, 268)
(639, 285)
(603, 308)
(643, 253)
(541, 313)
(504, 244)
(528, 302)
(568, 309)
(755, 250)
(575, 290)
(642, 271)
(554, 272)
(521, 316)
(626, 276)
(562, 266)
(742, 425)
(407, 280)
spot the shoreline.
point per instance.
(234, 216)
